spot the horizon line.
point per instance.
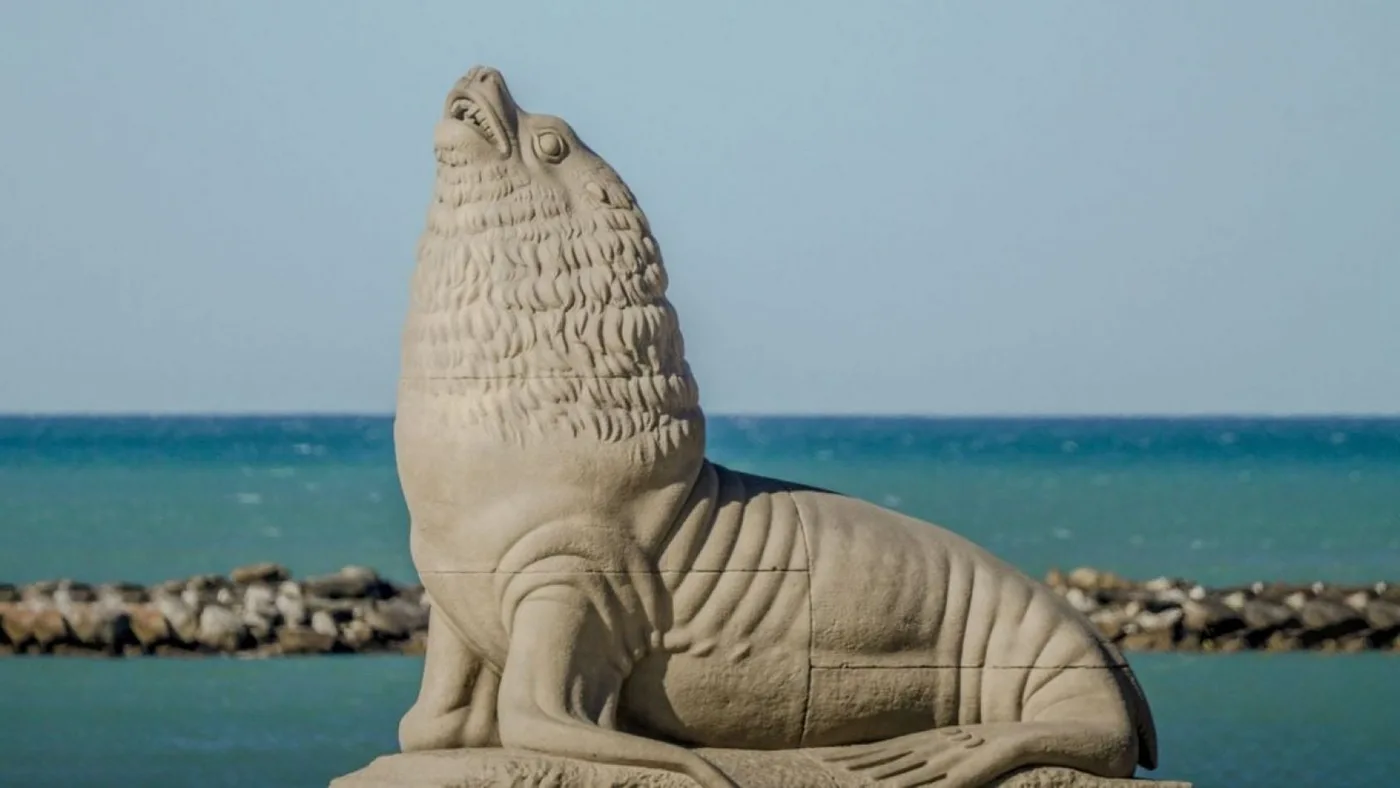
(986, 416)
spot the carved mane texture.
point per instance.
(539, 307)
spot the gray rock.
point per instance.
(1086, 578)
(352, 582)
(1110, 621)
(1210, 618)
(1153, 640)
(1157, 621)
(1324, 618)
(1159, 584)
(292, 605)
(340, 609)
(10, 610)
(1265, 616)
(196, 598)
(69, 592)
(206, 581)
(1382, 614)
(182, 618)
(148, 625)
(1235, 599)
(397, 618)
(412, 594)
(221, 629)
(34, 626)
(169, 587)
(260, 612)
(358, 635)
(1082, 601)
(122, 594)
(260, 599)
(41, 591)
(265, 572)
(98, 626)
(1167, 597)
(1387, 591)
(1091, 578)
(357, 571)
(305, 641)
(261, 629)
(1283, 640)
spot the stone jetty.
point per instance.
(262, 611)
(1168, 614)
(256, 611)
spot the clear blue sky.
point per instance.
(910, 207)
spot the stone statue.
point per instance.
(602, 593)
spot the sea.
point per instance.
(1218, 500)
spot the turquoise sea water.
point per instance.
(1218, 500)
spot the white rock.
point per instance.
(184, 622)
(260, 599)
(1081, 601)
(221, 628)
(323, 623)
(1151, 622)
(1359, 600)
(1158, 584)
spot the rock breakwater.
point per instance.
(262, 611)
(1169, 614)
(255, 611)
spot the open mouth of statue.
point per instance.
(480, 116)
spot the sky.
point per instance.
(886, 208)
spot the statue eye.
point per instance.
(551, 146)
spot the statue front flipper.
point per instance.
(968, 756)
(456, 705)
(560, 690)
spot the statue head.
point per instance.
(485, 138)
(540, 294)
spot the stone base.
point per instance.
(748, 768)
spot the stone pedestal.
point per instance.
(490, 768)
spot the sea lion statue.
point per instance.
(602, 592)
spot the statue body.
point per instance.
(602, 591)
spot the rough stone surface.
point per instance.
(149, 626)
(352, 582)
(221, 629)
(749, 769)
(600, 589)
(305, 641)
(265, 572)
